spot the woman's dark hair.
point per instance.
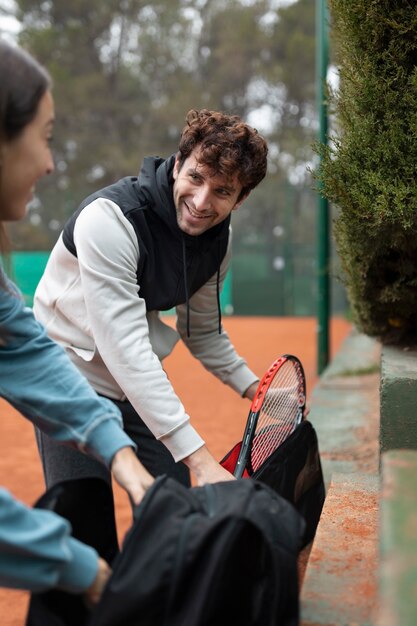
(23, 83)
(227, 145)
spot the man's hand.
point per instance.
(205, 468)
(250, 394)
(93, 593)
(130, 474)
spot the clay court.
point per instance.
(259, 340)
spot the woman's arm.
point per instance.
(37, 551)
(39, 380)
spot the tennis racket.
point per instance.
(276, 410)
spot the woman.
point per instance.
(37, 551)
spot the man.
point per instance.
(138, 247)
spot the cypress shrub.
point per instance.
(368, 170)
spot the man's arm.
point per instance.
(117, 317)
(203, 465)
(251, 390)
(205, 468)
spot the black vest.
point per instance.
(172, 265)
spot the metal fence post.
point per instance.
(323, 256)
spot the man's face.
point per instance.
(202, 200)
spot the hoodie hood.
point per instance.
(172, 265)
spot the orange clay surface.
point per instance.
(216, 411)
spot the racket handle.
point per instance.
(239, 469)
(246, 443)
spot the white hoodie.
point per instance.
(90, 305)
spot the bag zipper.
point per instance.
(210, 500)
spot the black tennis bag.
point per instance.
(217, 555)
(294, 471)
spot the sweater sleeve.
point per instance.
(37, 551)
(39, 380)
(215, 351)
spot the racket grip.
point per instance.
(246, 443)
(239, 469)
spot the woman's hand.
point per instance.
(93, 593)
(130, 474)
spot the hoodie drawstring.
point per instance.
(187, 299)
(219, 310)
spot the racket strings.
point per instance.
(279, 414)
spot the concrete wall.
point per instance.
(398, 397)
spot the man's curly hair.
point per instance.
(227, 146)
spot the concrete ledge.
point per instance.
(398, 542)
(398, 398)
(340, 584)
(362, 568)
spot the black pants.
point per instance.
(61, 462)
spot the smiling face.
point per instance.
(24, 160)
(201, 199)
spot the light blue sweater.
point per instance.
(38, 379)
(37, 551)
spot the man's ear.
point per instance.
(177, 167)
(240, 201)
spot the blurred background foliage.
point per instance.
(125, 74)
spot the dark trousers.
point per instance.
(60, 462)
